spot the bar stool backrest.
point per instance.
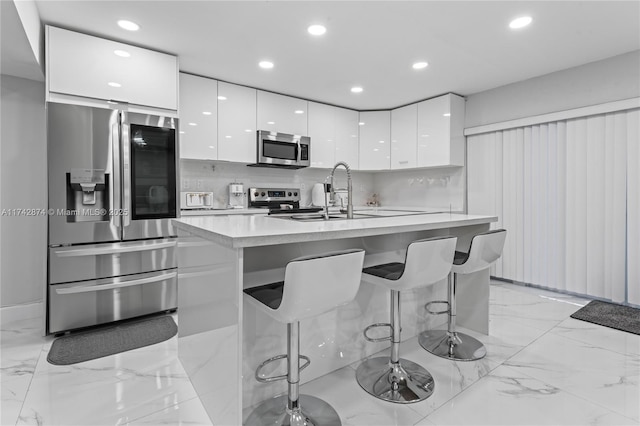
(427, 262)
(316, 284)
(485, 249)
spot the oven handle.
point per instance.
(94, 288)
(114, 250)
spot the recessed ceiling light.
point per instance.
(122, 53)
(520, 22)
(206, 112)
(114, 84)
(420, 65)
(356, 89)
(222, 98)
(265, 64)
(299, 111)
(193, 124)
(317, 30)
(128, 25)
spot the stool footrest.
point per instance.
(283, 376)
(427, 307)
(378, 339)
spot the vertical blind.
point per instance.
(568, 192)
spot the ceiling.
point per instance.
(373, 44)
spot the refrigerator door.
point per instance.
(150, 175)
(88, 303)
(84, 174)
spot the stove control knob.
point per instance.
(263, 194)
(289, 194)
(255, 194)
(295, 194)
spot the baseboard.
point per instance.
(21, 312)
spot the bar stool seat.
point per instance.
(392, 378)
(312, 286)
(485, 249)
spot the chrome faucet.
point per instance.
(349, 187)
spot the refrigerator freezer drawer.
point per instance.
(95, 261)
(94, 302)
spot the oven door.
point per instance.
(279, 149)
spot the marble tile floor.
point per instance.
(542, 368)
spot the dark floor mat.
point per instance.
(99, 343)
(620, 317)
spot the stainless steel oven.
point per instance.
(112, 185)
(283, 150)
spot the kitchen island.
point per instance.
(222, 340)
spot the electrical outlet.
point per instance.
(302, 186)
(199, 184)
(186, 184)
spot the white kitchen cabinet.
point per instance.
(375, 136)
(404, 128)
(440, 132)
(236, 123)
(346, 136)
(322, 131)
(334, 135)
(198, 117)
(283, 114)
(91, 67)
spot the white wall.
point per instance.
(23, 185)
(595, 83)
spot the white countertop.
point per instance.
(241, 230)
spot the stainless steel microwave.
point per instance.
(283, 150)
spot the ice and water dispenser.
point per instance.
(87, 195)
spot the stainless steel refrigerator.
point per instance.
(112, 194)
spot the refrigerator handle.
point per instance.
(116, 177)
(126, 172)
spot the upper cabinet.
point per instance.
(375, 136)
(198, 117)
(236, 123)
(91, 67)
(440, 132)
(404, 126)
(334, 135)
(283, 114)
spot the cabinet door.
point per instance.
(236, 123)
(284, 114)
(92, 67)
(375, 134)
(322, 131)
(440, 131)
(346, 137)
(404, 128)
(198, 117)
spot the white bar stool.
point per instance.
(312, 285)
(485, 249)
(393, 378)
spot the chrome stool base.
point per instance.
(312, 411)
(403, 383)
(460, 347)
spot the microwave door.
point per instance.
(149, 164)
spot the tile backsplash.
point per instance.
(433, 188)
(215, 176)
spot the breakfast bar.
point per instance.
(222, 339)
